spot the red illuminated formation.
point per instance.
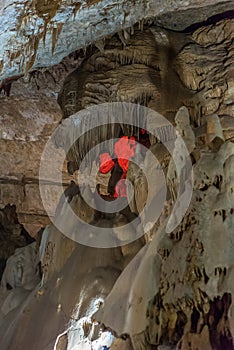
(106, 163)
(124, 149)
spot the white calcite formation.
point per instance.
(176, 290)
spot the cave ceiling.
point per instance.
(35, 34)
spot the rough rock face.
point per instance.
(176, 292)
(167, 81)
(41, 34)
(24, 130)
(21, 145)
(212, 81)
(189, 295)
(22, 269)
(188, 300)
(12, 235)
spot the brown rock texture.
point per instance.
(12, 235)
(27, 119)
(24, 131)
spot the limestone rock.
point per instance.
(22, 269)
(177, 291)
(25, 129)
(183, 125)
(202, 78)
(214, 131)
(12, 235)
(119, 344)
(44, 34)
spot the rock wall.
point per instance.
(27, 119)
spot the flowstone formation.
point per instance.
(166, 290)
